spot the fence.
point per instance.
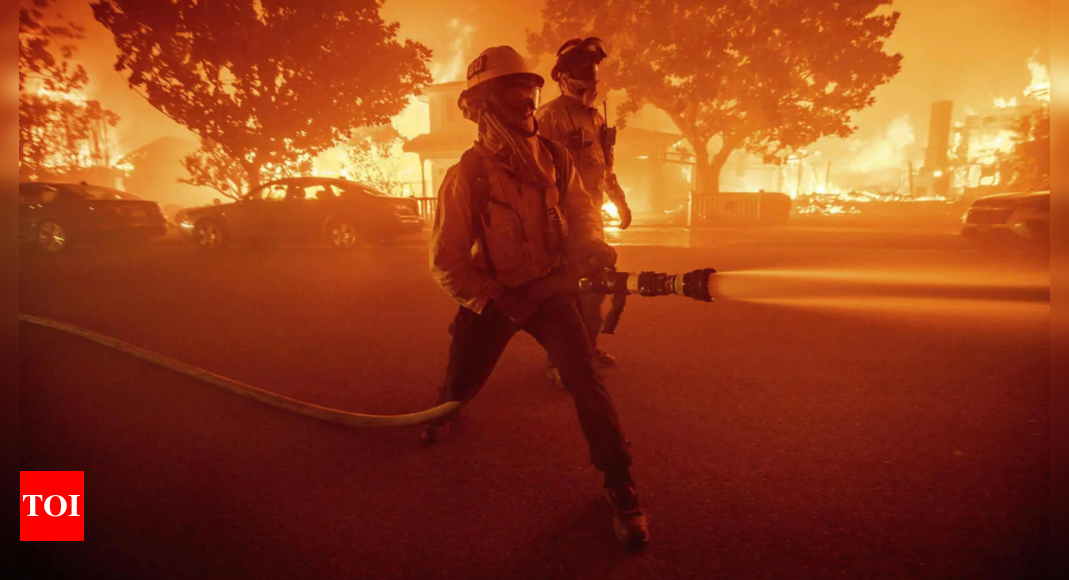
(711, 208)
(705, 209)
(427, 207)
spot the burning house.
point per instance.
(656, 179)
(449, 136)
(983, 142)
(65, 136)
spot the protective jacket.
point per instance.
(525, 228)
(584, 132)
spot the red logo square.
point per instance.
(53, 506)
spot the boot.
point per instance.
(629, 521)
(553, 374)
(603, 359)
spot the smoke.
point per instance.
(889, 151)
(455, 64)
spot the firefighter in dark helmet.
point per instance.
(573, 120)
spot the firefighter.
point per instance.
(573, 120)
(507, 214)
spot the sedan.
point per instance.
(306, 210)
(53, 216)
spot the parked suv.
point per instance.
(1014, 216)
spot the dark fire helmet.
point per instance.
(579, 58)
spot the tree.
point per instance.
(59, 130)
(373, 158)
(211, 166)
(270, 81)
(767, 76)
(62, 133)
(40, 53)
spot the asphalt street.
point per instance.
(860, 404)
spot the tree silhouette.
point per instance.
(210, 166)
(44, 49)
(767, 76)
(60, 133)
(270, 81)
(59, 130)
(373, 154)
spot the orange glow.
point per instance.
(609, 208)
(71, 97)
(1039, 88)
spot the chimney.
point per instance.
(935, 158)
(939, 135)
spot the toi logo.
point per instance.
(52, 504)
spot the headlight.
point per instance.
(186, 225)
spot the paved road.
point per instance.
(866, 405)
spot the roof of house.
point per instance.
(444, 144)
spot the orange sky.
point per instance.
(971, 51)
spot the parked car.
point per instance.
(336, 212)
(1014, 216)
(53, 216)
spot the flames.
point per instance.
(76, 97)
(414, 120)
(986, 138)
(610, 211)
(1010, 103)
(55, 117)
(887, 152)
(1039, 88)
(455, 67)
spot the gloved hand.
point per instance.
(514, 306)
(596, 255)
(625, 213)
(619, 199)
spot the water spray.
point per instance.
(706, 285)
(794, 285)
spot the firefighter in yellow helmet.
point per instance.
(574, 121)
(507, 215)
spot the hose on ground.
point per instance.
(273, 399)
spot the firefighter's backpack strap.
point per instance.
(562, 161)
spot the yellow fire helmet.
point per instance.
(497, 62)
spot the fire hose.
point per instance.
(695, 285)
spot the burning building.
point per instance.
(655, 178)
(984, 141)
